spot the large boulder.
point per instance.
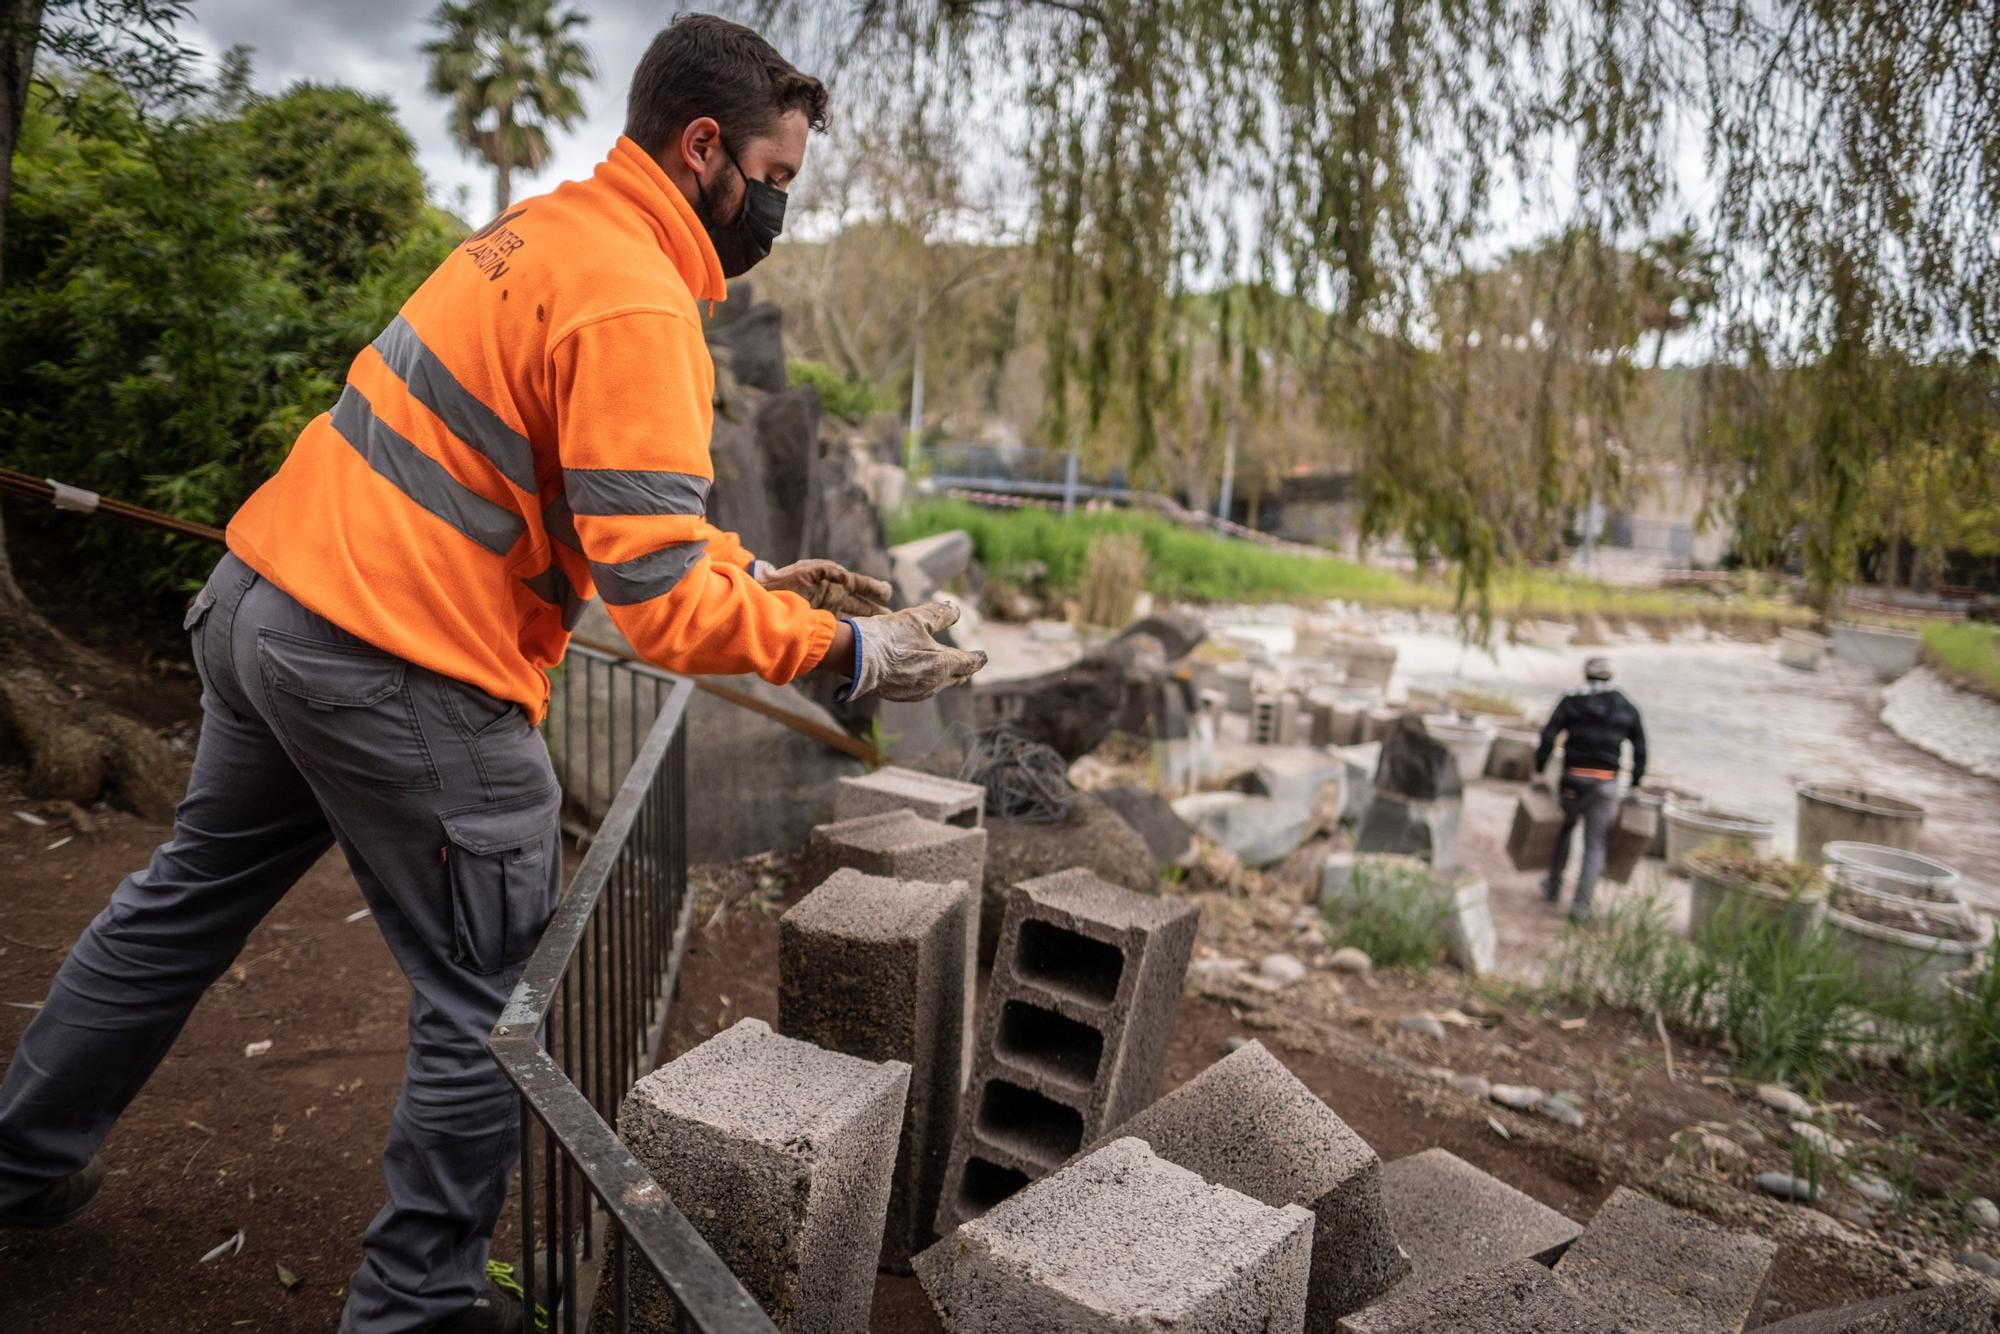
(1153, 816)
(1256, 830)
(754, 336)
(923, 566)
(1126, 686)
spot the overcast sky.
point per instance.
(373, 45)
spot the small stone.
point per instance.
(1348, 959)
(1422, 1025)
(1520, 1097)
(1284, 969)
(1825, 1145)
(1477, 1087)
(1854, 1215)
(1786, 1187)
(1560, 1111)
(1982, 1212)
(1218, 967)
(1782, 1100)
(1980, 1261)
(1443, 1074)
(1237, 1042)
(1872, 1189)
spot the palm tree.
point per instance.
(512, 69)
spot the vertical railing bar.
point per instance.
(622, 1281)
(529, 1124)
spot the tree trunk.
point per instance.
(20, 30)
(75, 748)
(503, 164)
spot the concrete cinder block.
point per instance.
(1453, 1219)
(1658, 1268)
(1414, 827)
(876, 968)
(1086, 982)
(1360, 762)
(1531, 842)
(1630, 837)
(1966, 1307)
(893, 788)
(781, 1154)
(1519, 1297)
(1122, 1240)
(1247, 1123)
(1274, 719)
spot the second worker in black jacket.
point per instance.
(1595, 724)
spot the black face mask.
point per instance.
(741, 243)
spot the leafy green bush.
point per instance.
(850, 400)
(1394, 914)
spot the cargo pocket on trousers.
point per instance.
(191, 625)
(505, 866)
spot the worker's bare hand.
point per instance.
(830, 586)
(900, 659)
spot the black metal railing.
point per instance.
(585, 1020)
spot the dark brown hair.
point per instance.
(701, 65)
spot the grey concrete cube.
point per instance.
(894, 788)
(1663, 1269)
(1966, 1307)
(1519, 1297)
(877, 968)
(1122, 1240)
(1247, 1123)
(1079, 1011)
(1417, 828)
(780, 1154)
(1531, 839)
(1453, 1219)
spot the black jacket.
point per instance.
(1598, 723)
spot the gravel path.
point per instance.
(1956, 725)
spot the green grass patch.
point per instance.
(1967, 651)
(1204, 567)
(1394, 914)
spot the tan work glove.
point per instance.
(829, 586)
(901, 661)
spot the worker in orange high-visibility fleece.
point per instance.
(530, 431)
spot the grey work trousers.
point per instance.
(445, 804)
(1593, 803)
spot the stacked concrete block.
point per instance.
(903, 845)
(781, 1155)
(1531, 841)
(877, 968)
(1247, 1123)
(893, 788)
(1079, 1011)
(1520, 1297)
(1454, 1220)
(1274, 719)
(1124, 1241)
(1956, 1308)
(1657, 1268)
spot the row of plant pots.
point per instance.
(1895, 913)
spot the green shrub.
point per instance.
(850, 400)
(1963, 1065)
(1394, 914)
(1967, 650)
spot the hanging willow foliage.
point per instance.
(1346, 157)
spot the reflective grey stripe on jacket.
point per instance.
(472, 421)
(422, 478)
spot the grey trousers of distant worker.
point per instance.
(1593, 803)
(445, 804)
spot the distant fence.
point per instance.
(585, 1023)
(1024, 494)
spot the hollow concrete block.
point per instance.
(1247, 1123)
(1658, 1268)
(1122, 1240)
(876, 968)
(1966, 1307)
(1453, 1219)
(780, 1154)
(1519, 1297)
(893, 787)
(1631, 836)
(1080, 1008)
(1531, 841)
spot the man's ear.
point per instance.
(699, 140)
